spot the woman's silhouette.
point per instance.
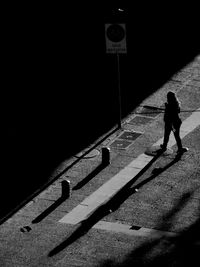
(172, 122)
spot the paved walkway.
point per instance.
(107, 223)
(110, 188)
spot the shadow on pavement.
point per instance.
(45, 213)
(155, 173)
(82, 229)
(45, 185)
(181, 250)
(60, 200)
(89, 177)
(60, 90)
(111, 205)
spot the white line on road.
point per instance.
(110, 188)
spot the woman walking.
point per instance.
(172, 122)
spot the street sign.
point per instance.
(115, 38)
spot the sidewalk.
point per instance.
(153, 221)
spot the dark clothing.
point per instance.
(172, 123)
(171, 114)
(176, 131)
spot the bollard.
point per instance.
(105, 155)
(66, 191)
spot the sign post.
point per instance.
(119, 93)
(116, 44)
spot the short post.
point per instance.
(105, 156)
(66, 191)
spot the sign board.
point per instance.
(115, 38)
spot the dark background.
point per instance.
(59, 87)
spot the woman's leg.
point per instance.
(168, 128)
(176, 132)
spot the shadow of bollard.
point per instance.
(65, 194)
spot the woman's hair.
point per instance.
(172, 99)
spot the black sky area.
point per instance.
(59, 89)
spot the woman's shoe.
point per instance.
(182, 150)
(163, 148)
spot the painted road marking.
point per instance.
(110, 188)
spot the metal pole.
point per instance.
(119, 93)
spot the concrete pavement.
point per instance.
(154, 221)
